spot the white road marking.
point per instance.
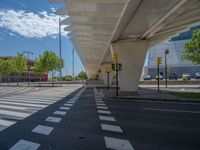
(68, 104)
(170, 110)
(102, 107)
(6, 122)
(25, 145)
(23, 104)
(60, 113)
(101, 104)
(13, 107)
(117, 144)
(14, 113)
(27, 101)
(107, 118)
(64, 108)
(40, 129)
(99, 101)
(104, 112)
(53, 119)
(112, 128)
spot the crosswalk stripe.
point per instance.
(23, 104)
(6, 123)
(26, 101)
(14, 113)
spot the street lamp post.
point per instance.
(60, 50)
(108, 70)
(166, 53)
(28, 55)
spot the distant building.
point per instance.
(174, 62)
(34, 77)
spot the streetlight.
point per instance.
(28, 53)
(166, 53)
(60, 50)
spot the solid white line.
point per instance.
(112, 128)
(170, 110)
(6, 122)
(104, 112)
(40, 129)
(117, 144)
(25, 145)
(53, 119)
(14, 113)
(107, 118)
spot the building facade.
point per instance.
(175, 63)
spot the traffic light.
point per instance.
(115, 57)
(159, 60)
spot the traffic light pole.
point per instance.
(165, 71)
(117, 79)
(158, 77)
(108, 86)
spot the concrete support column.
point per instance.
(132, 56)
(104, 75)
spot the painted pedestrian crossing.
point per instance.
(18, 107)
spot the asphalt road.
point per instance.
(85, 121)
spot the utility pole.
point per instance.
(28, 53)
(60, 51)
(73, 62)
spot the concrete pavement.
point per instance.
(91, 122)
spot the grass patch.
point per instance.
(187, 95)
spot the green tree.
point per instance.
(51, 63)
(82, 75)
(7, 69)
(19, 65)
(39, 68)
(192, 48)
(1, 69)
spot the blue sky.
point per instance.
(31, 25)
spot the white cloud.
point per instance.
(30, 25)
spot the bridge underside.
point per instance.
(99, 27)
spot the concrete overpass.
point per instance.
(130, 27)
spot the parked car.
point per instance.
(147, 77)
(173, 76)
(197, 75)
(160, 77)
(186, 76)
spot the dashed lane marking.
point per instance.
(112, 128)
(104, 112)
(40, 129)
(102, 107)
(60, 113)
(117, 144)
(107, 118)
(25, 145)
(65, 108)
(53, 119)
